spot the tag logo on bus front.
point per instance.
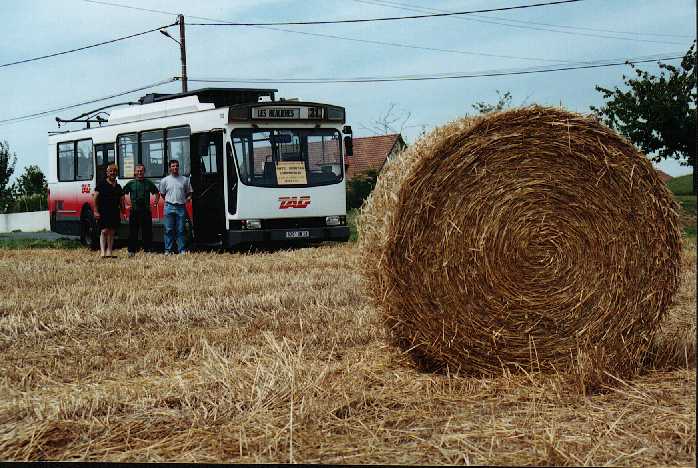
(294, 202)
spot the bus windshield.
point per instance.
(292, 157)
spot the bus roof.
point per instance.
(219, 97)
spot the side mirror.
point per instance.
(348, 145)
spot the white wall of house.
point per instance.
(25, 222)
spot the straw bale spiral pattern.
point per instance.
(523, 238)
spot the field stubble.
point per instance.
(278, 357)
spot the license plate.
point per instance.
(297, 234)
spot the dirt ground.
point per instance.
(278, 357)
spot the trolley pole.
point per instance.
(182, 52)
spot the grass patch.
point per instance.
(16, 244)
(352, 216)
(688, 202)
(682, 185)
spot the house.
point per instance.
(664, 176)
(372, 152)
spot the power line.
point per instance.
(72, 106)
(408, 7)
(150, 10)
(425, 77)
(503, 22)
(85, 47)
(390, 18)
(345, 38)
(417, 47)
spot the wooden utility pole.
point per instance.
(182, 52)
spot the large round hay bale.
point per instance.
(531, 237)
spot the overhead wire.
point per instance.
(426, 77)
(411, 7)
(91, 101)
(345, 38)
(33, 59)
(391, 18)
(522, 25)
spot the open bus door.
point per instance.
(207, 181)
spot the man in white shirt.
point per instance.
(176, 190)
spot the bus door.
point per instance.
(104, 155)
(207, 181)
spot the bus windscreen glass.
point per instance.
(278, 158)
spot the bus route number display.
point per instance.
(291, 173)
(287, 113)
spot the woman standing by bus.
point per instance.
(109, 199)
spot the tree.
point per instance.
(32, 182)
(657, 113)
(393, 120)
(7, 168)
(503, 102)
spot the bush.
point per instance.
(27, 203)
(682, 185)
(360, 187)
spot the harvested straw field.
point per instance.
(280, 357)
(529, 238)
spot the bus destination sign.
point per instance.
(287, 113)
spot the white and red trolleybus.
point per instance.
(262, 170)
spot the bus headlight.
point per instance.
(251, 224)
(333, 220)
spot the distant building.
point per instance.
(372, 152)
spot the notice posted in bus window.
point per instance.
(128, 167)
(291, 173)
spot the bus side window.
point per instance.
(85, 167)
(128, 154)
(153, 153)
(66, 161)
(178, 148)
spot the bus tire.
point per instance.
(89, 232)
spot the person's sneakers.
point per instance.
(167, 252)
(131, 254)
(184, 252)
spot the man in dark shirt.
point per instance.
(140, 189)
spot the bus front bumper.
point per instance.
(334, 233)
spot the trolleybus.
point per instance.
(262, 169)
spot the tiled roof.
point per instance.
(664, 176)
(371, 153)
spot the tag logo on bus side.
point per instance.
(85, 188)
(294, 202)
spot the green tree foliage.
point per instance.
(7, 168)
(657, 113)
(360, 187)
(32, 181)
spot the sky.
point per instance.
(584, 31)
